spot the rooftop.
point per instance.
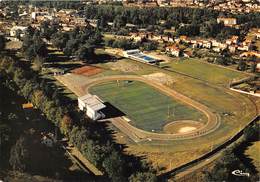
(92, 101)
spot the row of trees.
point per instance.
(91, 139)
(130, 44)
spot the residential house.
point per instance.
(215, 43)
(227, 21)
(232, 40)
(206, 44)
(257, 34)
(187, 54)
(216, 49)
(18, 31)
(173, 50)
(232, 48)
(258, 67)
(250, 54)
(244, 47)
(184, 38)
(41, 16)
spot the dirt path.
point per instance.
(140, 135)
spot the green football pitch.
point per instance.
(148, 108)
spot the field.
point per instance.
(204, 71)
(147, 108)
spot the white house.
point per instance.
(227, 21)
(92, 104)
(258, 67)
(173, 50)
(17, 29)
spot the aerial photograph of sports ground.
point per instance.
(138, 91)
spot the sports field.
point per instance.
(205, 71)
(147, 108)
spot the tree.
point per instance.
(150, 45)
(113, 166)
(252, 132)
(66, 124)
(143, 176)
(189, 30)
(222, 60)
(38, 62)
(47, 29)
(39, 47)
(86, 52)
(253, 67)
(60, 39)
(71, 47)
(5, 131)
(241, 65)
(19, 155)
(37, 98)
(34, 46)
(27, 89)
(2, 42)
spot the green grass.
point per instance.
(253, 153)
(146, 107)
(208, 72)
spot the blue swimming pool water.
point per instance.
(148, 58)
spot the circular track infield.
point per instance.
(138, 135)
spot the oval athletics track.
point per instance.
(137, 134)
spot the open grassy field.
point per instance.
(253, 153)
(147, 108)
(204, 71)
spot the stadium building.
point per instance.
(92, 104)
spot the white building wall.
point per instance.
(81, 105)
(92, 114)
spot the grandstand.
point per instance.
(137, 55)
